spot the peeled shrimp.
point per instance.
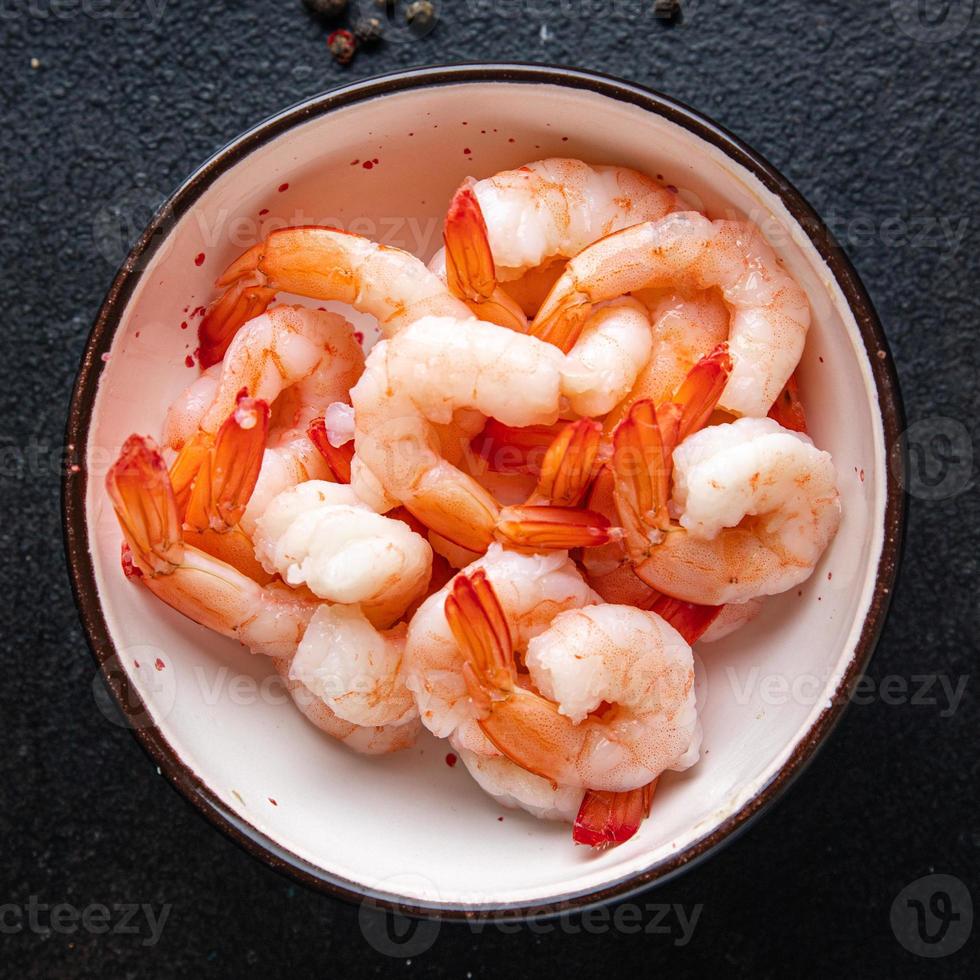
(319, 534)
(427, 376)
(325, 264)
(295, 359)
(273, 620)
(685, 329)
(514, 787)
(610, 702)
(547, 210)
(365, 739)
(602, 367)
(769, 311)
(531, 588)
(756, 505)
(354, 667)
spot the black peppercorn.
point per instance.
(420, 14)
(368, 29)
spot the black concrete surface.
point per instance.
(871, 109)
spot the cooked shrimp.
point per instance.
(514, 787)
(319, 534)
(517, 221)
(267, 619)
(602, 367)
(426, 376)
(324, 264)
(272, 620)
(368, 740)
(756, 504)
(531, 588)
(685, 329)
(297, 360)
(610, 704)
(354, 667)
(769, 311)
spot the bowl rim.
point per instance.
(109, 317)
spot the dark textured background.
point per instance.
(869, 108)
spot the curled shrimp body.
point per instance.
(272, 620)
(354, 667)
(514, 787)
(757, 506)
(320, 535)
(602, 367)
(685, 328)
(769, 315)
(531, 588)
(552, 209)
(364, 739)
(295, 359)
(610, 701)
(440, 373)
(324, 264)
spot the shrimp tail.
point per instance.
(470, 271)
(561, 324)
(553, 528)
(699, 392)
(230, 469)
(645, 440)
(641, 469)
(606, 819)
(510, 449)
(245, 297)
(143, 499)
(479, 626)
(338, 458)
(787, 409)
(570, 465)
(184, 470)
(690, 619)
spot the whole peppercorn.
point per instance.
(326, 8)
(368, 29)
(421, 15)
(666, 9)
(342, 45)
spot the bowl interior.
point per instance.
(410, 826)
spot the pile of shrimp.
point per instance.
(577, 450)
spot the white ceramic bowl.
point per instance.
(409, 829)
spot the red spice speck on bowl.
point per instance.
(159, 664)
(283, 187)
(368, 165)
(263, 212)
(451, 759)
(273, 802)
(199, 259)
(183, 324)
(189, 361)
